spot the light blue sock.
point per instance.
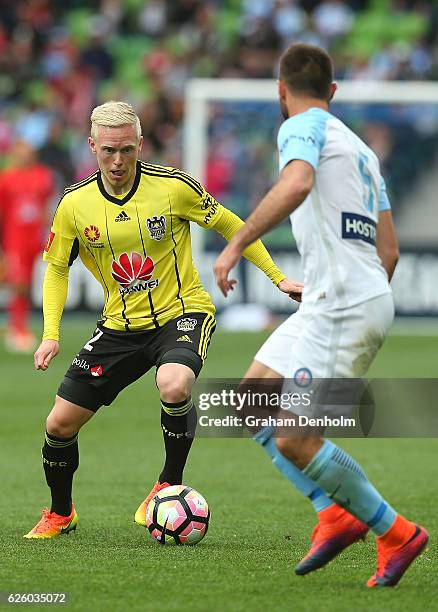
(344, 481)
(303, 483)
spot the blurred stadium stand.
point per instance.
(59, 59)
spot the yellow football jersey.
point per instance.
(138, 246)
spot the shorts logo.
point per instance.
(96, 370)
(92, 233)
(156, 227)
(358, 227)
(186, 325)
(81, 363)
(184, 339)
(303, 377)
(49, 242)
(133, 273)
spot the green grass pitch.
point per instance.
(260, 526)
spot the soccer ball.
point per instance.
(177, 515)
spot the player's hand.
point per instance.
(294, 289)
(47, 350)
(226, 260)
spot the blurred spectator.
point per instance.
(25, 190)
(289, 20)
(97, 59)
(333, 18)
(152, 18)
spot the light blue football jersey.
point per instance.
(335, 227)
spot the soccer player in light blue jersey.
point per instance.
(330, 185)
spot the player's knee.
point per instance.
(292, 449)
(60, 428)
(58, 424)
(173, 388)
(299, 450)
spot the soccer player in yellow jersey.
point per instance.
(129, 224)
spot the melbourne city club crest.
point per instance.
(133, 273)
(156, 227)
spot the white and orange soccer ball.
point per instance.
(177, 515)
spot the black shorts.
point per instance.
(112, 360)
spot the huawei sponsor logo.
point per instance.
(133, 273)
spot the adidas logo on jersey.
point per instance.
(184, 339)
(122, 217)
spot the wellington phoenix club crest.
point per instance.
(133, 272)
(186, 324)
(156, 227)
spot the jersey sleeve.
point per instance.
(62, 245)
(301, 137)
(196, 204)
(384, 203)
(55, 288)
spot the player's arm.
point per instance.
(228, 225)
(294, 185)
(386, 243)
(300, 142)
(55, 288)
(61, 250)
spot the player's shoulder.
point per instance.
(173, 176)
(310, 124)
(78, 189)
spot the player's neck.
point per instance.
(297, 105)
(117, 190)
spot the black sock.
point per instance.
(178, 423)
(60, 461)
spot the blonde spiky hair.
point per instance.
(114, 114)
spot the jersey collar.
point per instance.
(128, 196)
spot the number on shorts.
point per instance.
(89, 346)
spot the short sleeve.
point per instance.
(62, 243)
(384, 203)
(196, 204)
(302, 137)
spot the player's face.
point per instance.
(22, 154)
(117, 149)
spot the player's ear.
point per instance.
(333, 89)
(281, 89)
(140, 144)
(92, 145)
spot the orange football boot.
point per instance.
(396, 550)
(52, 525)
(140, 515)
(337, 529)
